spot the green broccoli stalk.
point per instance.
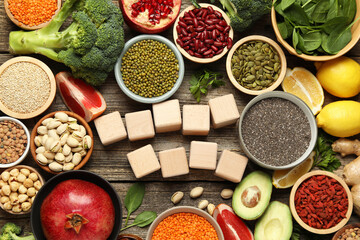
(10, 231)
(90, 46)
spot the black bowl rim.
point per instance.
(75, 174)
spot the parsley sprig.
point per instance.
(201, 80)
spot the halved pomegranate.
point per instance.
(150, 16)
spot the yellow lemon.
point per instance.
(340, 77)
(340, 119)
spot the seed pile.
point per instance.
(149, 68)
(184, 226)
(350, 234)
(13, 141)
(321, 202)
(256, 65)
(276, 131)
(24, 87)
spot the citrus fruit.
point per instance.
(303, 84)
(340, 77)
(286, 178)
(340, 118)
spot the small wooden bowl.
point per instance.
(355, 30)
(32, 170)
(304, 225)
(342, 230)
(51, 97)
(80, 121)
(24, 26)
(281, 56)
(196, 59)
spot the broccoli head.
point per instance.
(10, 231)
(91, 44)
(10, 227)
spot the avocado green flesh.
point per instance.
(263, 182)
(275, 224)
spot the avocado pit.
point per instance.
(251, 196)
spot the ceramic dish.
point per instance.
(82, 175)
(306, 110)
(282, 60)
(343, 229)
(306, 226)
(80, 121)
(24, 26)
(196, 59)
(32, 170)
(52, 87)
(136, 97)
(355, 30)
(184, 209)
(23, 156)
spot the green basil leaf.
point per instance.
(330, 25)
(145, 218)
(134, 198)
(286, 3)
(320, 12)
(312, 41)
(296, 14)
(338, 39)
(348, 8)
(285, 29)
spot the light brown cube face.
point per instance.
(203, 155)
(139, 125)
(196, 120)
(173, 162)
(167, 116)
(224, 111)
(110, 128)
(143, 161)
(231, 166)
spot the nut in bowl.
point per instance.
(311, 195)
(203, 35)
(255, 65)
(61, 141)
(19, 186)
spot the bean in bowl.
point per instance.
(13, 141)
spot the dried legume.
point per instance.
(350, 234)
(13, 141)
(184, 226)
(149, 68)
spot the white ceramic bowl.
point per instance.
(136, 97)
(23, 156)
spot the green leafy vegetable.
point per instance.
(201, 80)
(134, 198)
(142, 220)
(320, 12)
(286, 29)
(325, 158)
(312, 40)
(301, 234)
(286, 3)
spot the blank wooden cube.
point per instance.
(231, 166)
(224, 111)
(167, 116)
(196, 120)
(203, 155)
(143, 161)
(139, 125)
(173, 162)
(110, 128)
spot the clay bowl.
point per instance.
(306, 226)
(81, 121)
(342, 230)
(355, 30)
(196, 59)
(24, 26)
(271, 43)
(32, 170)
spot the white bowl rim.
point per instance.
(308, 113)
(130, 94)
(187, 209)
(25, 153)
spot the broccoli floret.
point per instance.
(91, 44)
(10, 231)
(15, 237)
(5, 236)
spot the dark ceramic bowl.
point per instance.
(77, 174)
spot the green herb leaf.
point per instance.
(320, 11)
(338, 39)
(296, 14)
(348, 9)
(285, 29)
(312, 40)
(330, 25)
(295, 39)
(201, 80)
(134, 198)
(286, 3)
(142, 220)
(334, 11)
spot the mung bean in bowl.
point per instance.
(277, 130)
(150, 69)
(14, 142)
(256, 65)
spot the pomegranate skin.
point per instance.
(82, 197)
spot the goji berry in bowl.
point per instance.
(203, 35)
(187, 222)
(321, 202)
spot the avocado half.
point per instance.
(275, 224)
(252, 195)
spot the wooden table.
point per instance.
(111, 163)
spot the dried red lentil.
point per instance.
(184, 226)
(321, 202)
(13, 141)
(34, 12)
